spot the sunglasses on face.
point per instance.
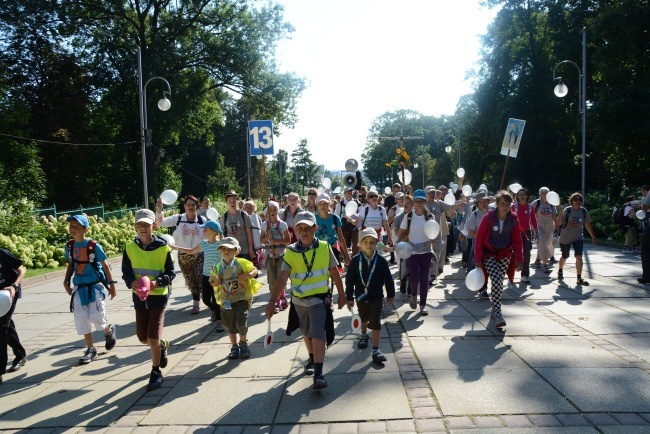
(577, 200)
(311, 194)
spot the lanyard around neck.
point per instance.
(372, 270)
(233, 275)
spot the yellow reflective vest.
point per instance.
(148, 262)
(304, 283)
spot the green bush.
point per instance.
(39, 242)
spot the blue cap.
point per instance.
(210, 224)
(82, 219)
(419, 194)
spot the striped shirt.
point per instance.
(211, 255)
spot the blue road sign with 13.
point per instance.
(260, 137)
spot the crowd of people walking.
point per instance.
(306, 246)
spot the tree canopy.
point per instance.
(70, 68)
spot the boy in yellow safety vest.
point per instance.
(149, 255)
(309, 262)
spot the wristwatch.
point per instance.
(16, 287)
(112, 281)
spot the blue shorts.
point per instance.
(577, 248)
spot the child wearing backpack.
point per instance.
(90, 276)
(211, 256)
(234, 286)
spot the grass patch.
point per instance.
(33, 272)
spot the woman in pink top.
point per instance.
(527, 224)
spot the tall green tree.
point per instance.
(304, 168)
(210, 52)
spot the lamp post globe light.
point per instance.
(561, 90)
(164, 104)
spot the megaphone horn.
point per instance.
(350, 180)
(351, 165)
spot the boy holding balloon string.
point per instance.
(367, 275)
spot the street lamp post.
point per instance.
(163, 104)
(561, 90)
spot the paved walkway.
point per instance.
(571, 360)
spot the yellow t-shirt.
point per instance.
(230, 289)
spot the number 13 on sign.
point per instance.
(260, 137)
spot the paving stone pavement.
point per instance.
(572, 359)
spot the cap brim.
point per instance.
(306, 222)
(146, 220)
(230, 246)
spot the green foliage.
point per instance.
(39, 242)
(68, 68)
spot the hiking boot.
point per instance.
(17, 364)
(319, 382)
(413, 303)
(309, 368)
(214, 316)
(363, 341)
(378, 357)
(244, 351)
(155, 380)
(89, 356)
(582, 282)
(218, 326)
(164, 346)
(111, 338)
(234, 352)
(552, 260)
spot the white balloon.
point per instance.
(467, 190)
(482, 187)
(169, 239)
(449, 199)
(553, 198)
(460, 172)
(327, 183)
(454, 188)
(514, 187)
(640, 214)
(373, 188)
(320, 190)
(212, 214)
(475, 279)
(351, 208)
(407, 177)
(403, 249)
(337, 190)
(387, 190)
(168, 197)
(431, 229)
(451, 184)
(5, 302)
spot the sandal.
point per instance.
(582, 282)
(363, 341)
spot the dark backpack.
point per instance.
(619, 215)
(566, 215)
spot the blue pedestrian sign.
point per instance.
(260, 137)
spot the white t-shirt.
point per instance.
(416, 231)
(375, 218)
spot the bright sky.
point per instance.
(362, 58)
